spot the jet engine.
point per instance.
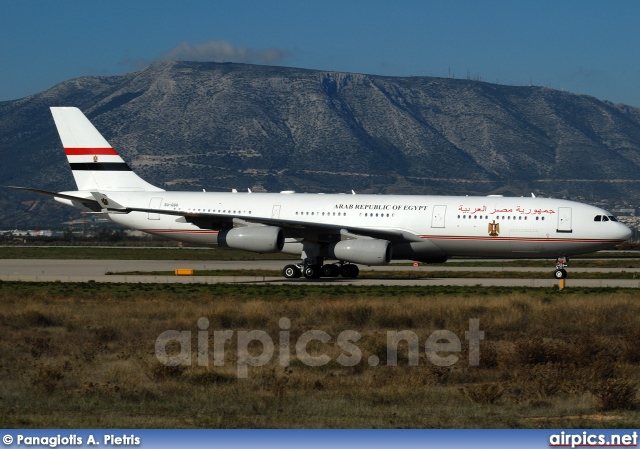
(259, 239)
(364, 251)
(425, 251)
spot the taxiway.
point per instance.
(54, 270)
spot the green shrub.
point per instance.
(536, 350)
(615, 394)
(485, 393)
(548, 378)
(47, 378)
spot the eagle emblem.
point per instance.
(494, 229)
(95, 158)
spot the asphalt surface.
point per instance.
(51, 270)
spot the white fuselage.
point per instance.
(458, 226)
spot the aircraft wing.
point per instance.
(293, 228)
(87, 202)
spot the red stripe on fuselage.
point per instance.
(89, 151)
(178, 231)
(518, 239)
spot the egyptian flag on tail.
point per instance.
(95, 165)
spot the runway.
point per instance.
(54, 270)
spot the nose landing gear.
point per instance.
(561, 263)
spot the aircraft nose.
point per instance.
(623, 232)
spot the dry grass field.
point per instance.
(82, 355)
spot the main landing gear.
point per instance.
(561, 263)
(315, 271)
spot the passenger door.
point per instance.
(437, 219)
(564, 219)
(155, 203)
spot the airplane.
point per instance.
(348, 228)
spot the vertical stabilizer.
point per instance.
(95, 165)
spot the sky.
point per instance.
(586, 47)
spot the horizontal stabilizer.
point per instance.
(87, 202)
(55, 194)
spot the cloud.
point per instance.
(224, 51)
(588, 75)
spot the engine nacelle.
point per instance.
(425, 251)
(292, 247)
(259, 239)
(364, 251)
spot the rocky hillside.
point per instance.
(187, 125)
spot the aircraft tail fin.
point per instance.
(94, 163)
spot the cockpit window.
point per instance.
(604, 218)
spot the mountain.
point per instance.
(217, 126)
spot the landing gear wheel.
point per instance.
(561, 263)
(291, 272)
(330, 270)
(312, 271)
(349, 271)
(560, 274)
